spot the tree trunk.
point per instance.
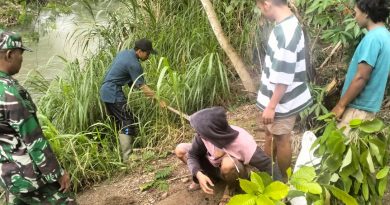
(236, 60)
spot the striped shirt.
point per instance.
(285, 64)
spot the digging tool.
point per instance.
(185, 116)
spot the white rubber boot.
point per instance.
(126, 146)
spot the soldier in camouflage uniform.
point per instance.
(29, 170)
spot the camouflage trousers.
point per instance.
(45, 195)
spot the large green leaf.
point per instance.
(289, 172)
(276, 190)
(382, 185)
(347, 182)
(355, 123)
(347, 159)
(383, 172)
(243, 199)
(314, 188)
(263, 200)
(335, 143)
(366, 161)
(295, 193)
(355, 156)
(376, 153)
(319, 202)
(300, 185)
(328, 130)
(255, 178)
(377, 145)
(279, 203)
(248, 186)
(370, 163)
(348, 171)
(365, 190)
(371, 126)
(332, 164)
(304, 173)
(342, 195)
(371, 181)
(326, 116)
(359, 175)
(356, 187)
(265, 177)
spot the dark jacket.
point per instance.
(211, 125)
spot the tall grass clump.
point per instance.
(89, 157)
(72, 101)
(189, 73)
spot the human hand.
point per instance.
(147, 91)
(338, 111)
(204, 182)
(64, 182)
(268, 116)
(162, 103)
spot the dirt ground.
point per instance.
(125, 189)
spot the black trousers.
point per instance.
(123, 117)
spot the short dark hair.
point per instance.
(377, 10)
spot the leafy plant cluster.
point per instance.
(13, 12)
(23, 12)
(332, 20)
(159, 180)
(353, 169)
(89, 156)
(309, 115)
(261, 190)
(356, 160)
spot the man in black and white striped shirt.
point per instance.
(284, 91)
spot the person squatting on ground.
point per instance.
(368, 71)
(284, 91)
(221, 151)
(126, 69)
(30, 172)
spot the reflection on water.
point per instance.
(55, 41)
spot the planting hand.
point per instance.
(338, 110)
(268, 115)
(204, 182)
(64, 182)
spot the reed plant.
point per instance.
(189, 73)
(89, 156)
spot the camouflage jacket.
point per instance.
(26, 159)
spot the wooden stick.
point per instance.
(179, 177)
(338, 45)
(168, 180)
(185, 116)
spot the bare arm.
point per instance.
(269, 112)
(147, 91)
(151, 94)
(357, 85)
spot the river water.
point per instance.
(54, 41)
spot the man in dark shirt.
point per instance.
(126, 69)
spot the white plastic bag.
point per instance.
(305, 158)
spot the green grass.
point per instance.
(190, 73)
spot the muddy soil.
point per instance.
(125, 189)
